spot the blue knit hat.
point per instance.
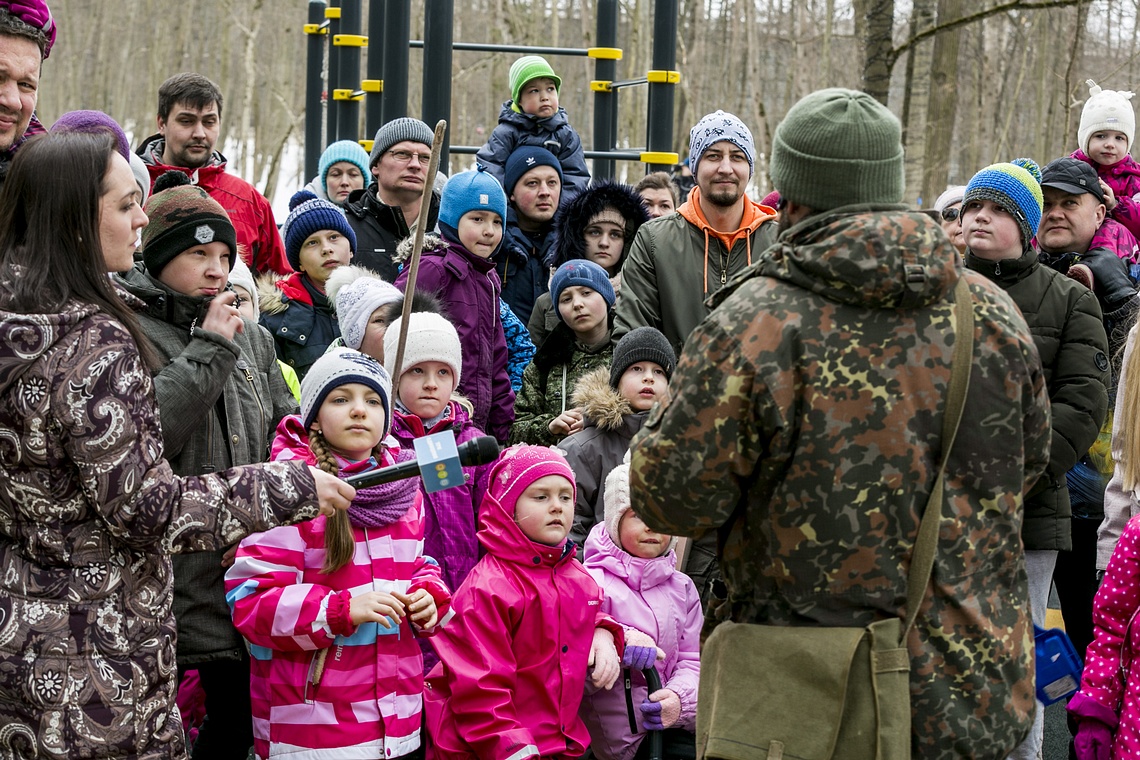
(1016, 187)
(523, 160)
(471, 191)
(309, 214)
(339, 367)
(581, 272)
(342, 150)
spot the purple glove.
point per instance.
(1093, 741)
(660, 710)
(34, 13)
(638, 658)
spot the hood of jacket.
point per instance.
(160, 301)
(502, 537)
(879, 257)
(602, 553)
(436, 245)
(755, 214)
(570, 223)
(151, 151)
(25, 338)
(406, 427)
(601, 405)
(275, 291)
(510, 114)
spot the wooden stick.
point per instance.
(418, 243)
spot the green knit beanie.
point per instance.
(837, 147)
(527, 68)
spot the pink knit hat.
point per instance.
(521, 465)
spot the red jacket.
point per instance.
(248, 209)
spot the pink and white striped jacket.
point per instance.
(367, 699)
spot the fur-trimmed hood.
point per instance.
(432, 242)
(274, 291)
(571, 222)
(600, 404)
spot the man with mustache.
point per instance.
(189, 119)
(27, 32)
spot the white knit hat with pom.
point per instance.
(617, 502)
(356, 292)
(1106, 110)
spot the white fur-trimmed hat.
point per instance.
(357, 292)
(617, 502)
(431, 338)
(1106, 110)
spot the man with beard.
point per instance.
(679, 260)
(27, 32)
(189, 119)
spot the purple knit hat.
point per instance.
(92, 122)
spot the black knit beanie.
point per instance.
(182, 216)
(644, 344)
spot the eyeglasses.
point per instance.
(405, 157)
(951, 214)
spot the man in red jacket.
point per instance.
(189, 119)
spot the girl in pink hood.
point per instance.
(528, 626)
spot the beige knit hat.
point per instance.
(617, 502)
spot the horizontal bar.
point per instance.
(488, 48)
(628, 83)
(617, 155)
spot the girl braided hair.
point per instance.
(339, 543)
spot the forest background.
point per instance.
(973, 81)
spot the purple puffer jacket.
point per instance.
(652, 596)
(469, 289)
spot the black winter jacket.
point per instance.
(379, 229)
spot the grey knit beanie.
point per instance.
(720, 126)
(644, 344)
(837, 147)
(397, 131)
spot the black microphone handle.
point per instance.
(476, 451)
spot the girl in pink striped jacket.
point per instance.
(331, 608)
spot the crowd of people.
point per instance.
(714, 409)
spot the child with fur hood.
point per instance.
(614, 402)
(644, 591)
(580, 343)
(598, 225)
(425, 402)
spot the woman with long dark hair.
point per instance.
(89, 509)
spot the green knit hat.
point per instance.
(182, 216)
(527, 68)
(836, 147)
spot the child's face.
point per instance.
(545, 510)
(480, 232)
(583, 309)
(351, 419)
(604, 241)
(322, 252)
(199, 271)
(991, 232)
(426, 388)
(246, 305)
(373, 341)
(637, 538)
(539, 97)
(1108, 147)
(643, 383)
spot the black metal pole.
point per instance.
(605, 103)
(348, 120)
(332, 113)
(661, 94)
(439, 18)
(398, 33)
(314, 86)
(374, 101)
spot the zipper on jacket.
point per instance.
(253, 389)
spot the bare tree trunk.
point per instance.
(942, 108)
(878, 48)
(916, 100)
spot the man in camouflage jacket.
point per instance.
(805, 422)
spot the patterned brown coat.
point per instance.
(804, 427)
(89, 513)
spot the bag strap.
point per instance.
(925, 547)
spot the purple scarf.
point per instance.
(382, 505)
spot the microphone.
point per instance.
(479, 450)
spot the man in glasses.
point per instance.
(948, 207)
(189, 121)
(383, 213)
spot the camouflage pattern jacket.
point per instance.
(804, 427)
